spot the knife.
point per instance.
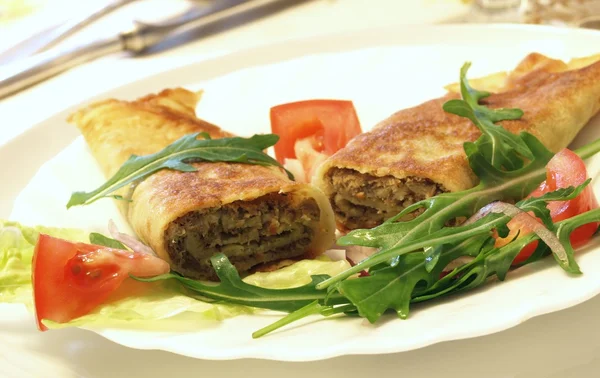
(24, 73)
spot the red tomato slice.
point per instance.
(329, 124)
(71, 279)
(565, 169)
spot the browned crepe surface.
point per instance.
(425, 142)
(114, 130)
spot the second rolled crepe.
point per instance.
(254, 214)
(418, 152)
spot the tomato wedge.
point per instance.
(329, 125)
(71, 279)
(565, 169)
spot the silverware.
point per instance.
(24, 73)
(46, 39)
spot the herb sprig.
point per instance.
(99, 239)
(178, 156)
(500, 147)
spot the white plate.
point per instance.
(381, 72)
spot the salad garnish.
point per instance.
(178, 156)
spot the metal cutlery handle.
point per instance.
(146, 34)
(24, 73)
(77, 23)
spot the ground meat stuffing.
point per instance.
(365, 201)
(270, 228)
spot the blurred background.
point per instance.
(40, 39)
(28, 26)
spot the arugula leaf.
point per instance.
(99, 239)
(410, 279)
(232, 289)
(564, 230)
(538, 205)
(501, 148)
(178, 155)
(310, 309)
(388, 287)
(497, 261)
(487, 262)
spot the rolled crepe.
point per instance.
(254, 214)
(417, 153)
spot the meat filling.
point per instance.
(365, 201)
(250, 233)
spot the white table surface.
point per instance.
(562, 344)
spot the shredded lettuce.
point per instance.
(167, 306)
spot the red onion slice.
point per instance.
(128, 240)
(358, 253)
(456, 263)
(527, 220)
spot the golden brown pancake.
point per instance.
(418, 152)
(253, 214)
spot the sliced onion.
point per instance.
(358, 253)
(494, 207)
(309, 158)
(128, 240)
(352, 253)
(528, 221)
(295, 166)
(336, 254)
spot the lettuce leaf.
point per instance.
(297, 274)
(167, 305)
(16, 252)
